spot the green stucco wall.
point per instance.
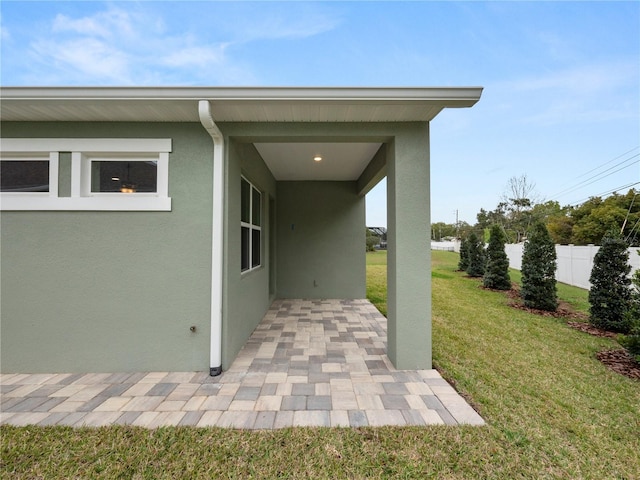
(119, 291)
(246, 294)
(111, 291)
(408, 250)
(320, 240)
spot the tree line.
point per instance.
(584, 224)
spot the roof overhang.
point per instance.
(342, 161)
(232, 104)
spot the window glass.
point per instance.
(255, 248)
(251, 232)
(24, 176)
(256, 206)
(245, 234)
(124, 176)
(245, 215)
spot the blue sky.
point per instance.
(561, 101)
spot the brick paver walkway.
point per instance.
(309, 363)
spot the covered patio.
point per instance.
(318, 363)
(260, 195)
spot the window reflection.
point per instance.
(124, 176)
(24, 176)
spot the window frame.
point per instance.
(83, 152)
(252, 227)
(32, 198)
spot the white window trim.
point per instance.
(33, 197)
(252, 227)
(83, 151)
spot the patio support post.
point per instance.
(409, 256)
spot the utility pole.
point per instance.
(457, 235)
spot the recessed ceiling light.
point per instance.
(317, 158)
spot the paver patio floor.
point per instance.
(318, 363)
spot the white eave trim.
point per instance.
(112, 145)
(346, 94)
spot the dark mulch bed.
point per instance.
(617, 360)
(565, 310)
(621, 362)
(591, 330)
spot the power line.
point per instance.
(605, 193)
(631, 232)
(605, 163)
(598, 176)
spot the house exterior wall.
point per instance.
(111, 291)
(118, 291)
(320, 240)
(408, 253)
(246, 295)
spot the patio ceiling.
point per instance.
(295, 161)
(287, 161)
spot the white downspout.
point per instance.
(217, 236)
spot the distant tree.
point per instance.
(483, 218)
(610, 293)
(518, 200)
(595, 217)
(476, 256)
(539, 270)
(496, 273)
(556, 218)
(542, 212)
(464, 229)
(372, 240)
(560, 228)
(463, 264)
(441, 230)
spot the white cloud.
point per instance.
(286, 25)
(585, 93)
(5, 35)
(120, 47)
(199, 56)
(86, 57)
(104, 24)
(133, 44)
(585, 79)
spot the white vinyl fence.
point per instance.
(574, 262)
(448, 246)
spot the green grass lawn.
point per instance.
(377, 279)
(552, 411)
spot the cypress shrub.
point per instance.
(632, 341)
(475, 256)
(539, 270)
(463, 264)
(496, 274)
(610, 293)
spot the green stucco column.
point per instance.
(409, 255)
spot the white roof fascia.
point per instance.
(270, 104)
(349, 94)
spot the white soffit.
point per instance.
(294, 161)
(237, 104)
